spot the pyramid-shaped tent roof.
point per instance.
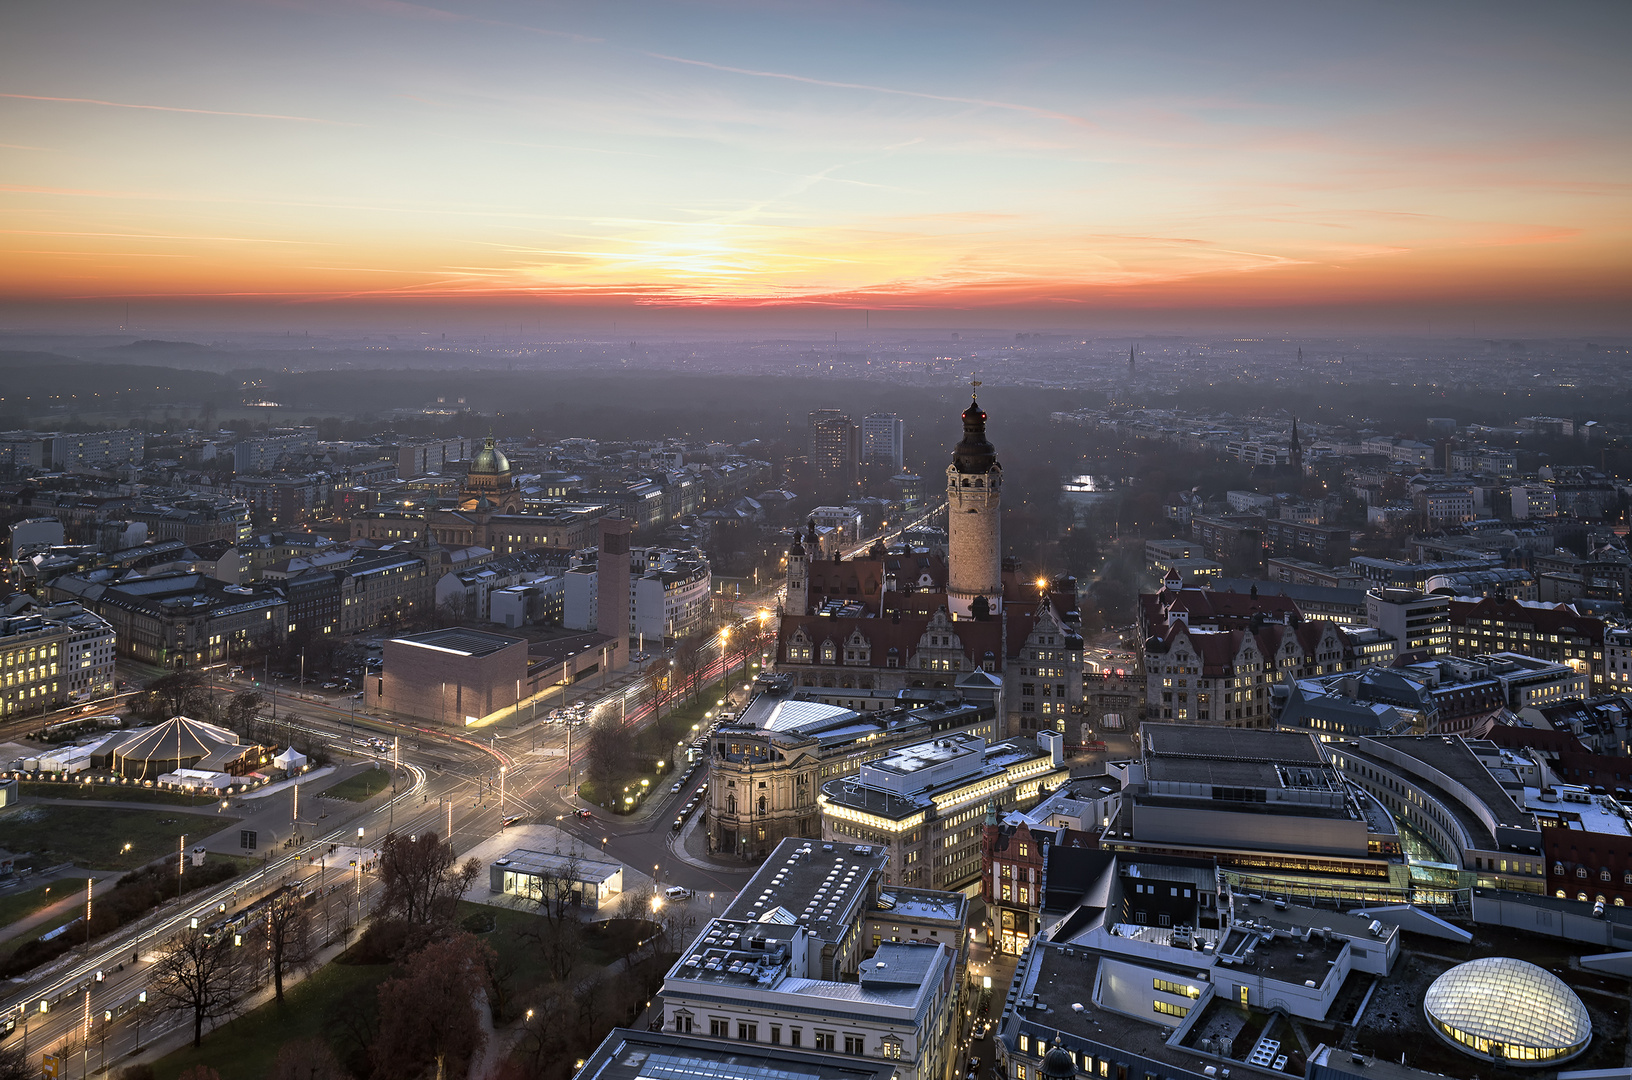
(178, 738)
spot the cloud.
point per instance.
(177, 109)
(1033, 110)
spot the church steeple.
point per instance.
(1296, 447)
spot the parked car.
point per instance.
(677, 892)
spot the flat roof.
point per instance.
(541, 863)
(458, 640)
(820, 884)
(1455, 758)
(627, 1054)
(1230, 744)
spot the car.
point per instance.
(675, 790)
(679, 823)
(331, 686)
(584, 815)
(513, 819)
(358, 696)
(677, 892)
(641, 657)
(974, 1066)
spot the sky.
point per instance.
(922, 161)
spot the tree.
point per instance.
(655, 689)
(428, 1015)
(176, 693)
(420, 881)
(606, 748)
(242, 711)
(14, 1064)
(689, 663)
(286, 937)
(200, 974)
(306, 1059)
(559, 934)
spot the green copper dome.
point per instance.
(489, 461)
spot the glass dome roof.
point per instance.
(1502, 1007)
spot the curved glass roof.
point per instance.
(1511, 1003)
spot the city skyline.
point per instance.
(913, 165)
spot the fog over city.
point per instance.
(848, 541)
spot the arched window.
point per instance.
(762, 804)
(1603, 875)
(730, 804)
(1581, 871)
(1558, 869)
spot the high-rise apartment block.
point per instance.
(883, 440)
(835, 449)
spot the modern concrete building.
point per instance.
(453, 676)
(579, 878)
(1420, 622)
(789, 964)
(926, 804)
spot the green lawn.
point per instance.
(245, 1048)
(40, 789)
(361, 787)
(19, 905)
(96, 837)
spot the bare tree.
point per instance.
(690, 661)
(656, 689)
(201, 974)
(242, 711)
(559, 934)
(606, 748)
(285, 934)
(453, 610)
(14, 1064)
(421, 882)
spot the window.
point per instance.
(682, 1023)
(747, 1032)
(793, 1036)
(855, 1045)
(1170, 1010)
(824, 1040)
(1177, 989)
(1580, 871)
(776, 1033)
(720, 1029)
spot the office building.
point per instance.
(1419, 622)
(53, 656)
(926, 804)
(789, 964)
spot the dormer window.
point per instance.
(828, 653)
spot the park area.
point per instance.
(360, 787)
(338, 1005)
(98, 837)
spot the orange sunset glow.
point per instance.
(893, 157)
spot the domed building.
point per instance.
(1506, 1010)
(489, 487)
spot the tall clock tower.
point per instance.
(974, 499)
